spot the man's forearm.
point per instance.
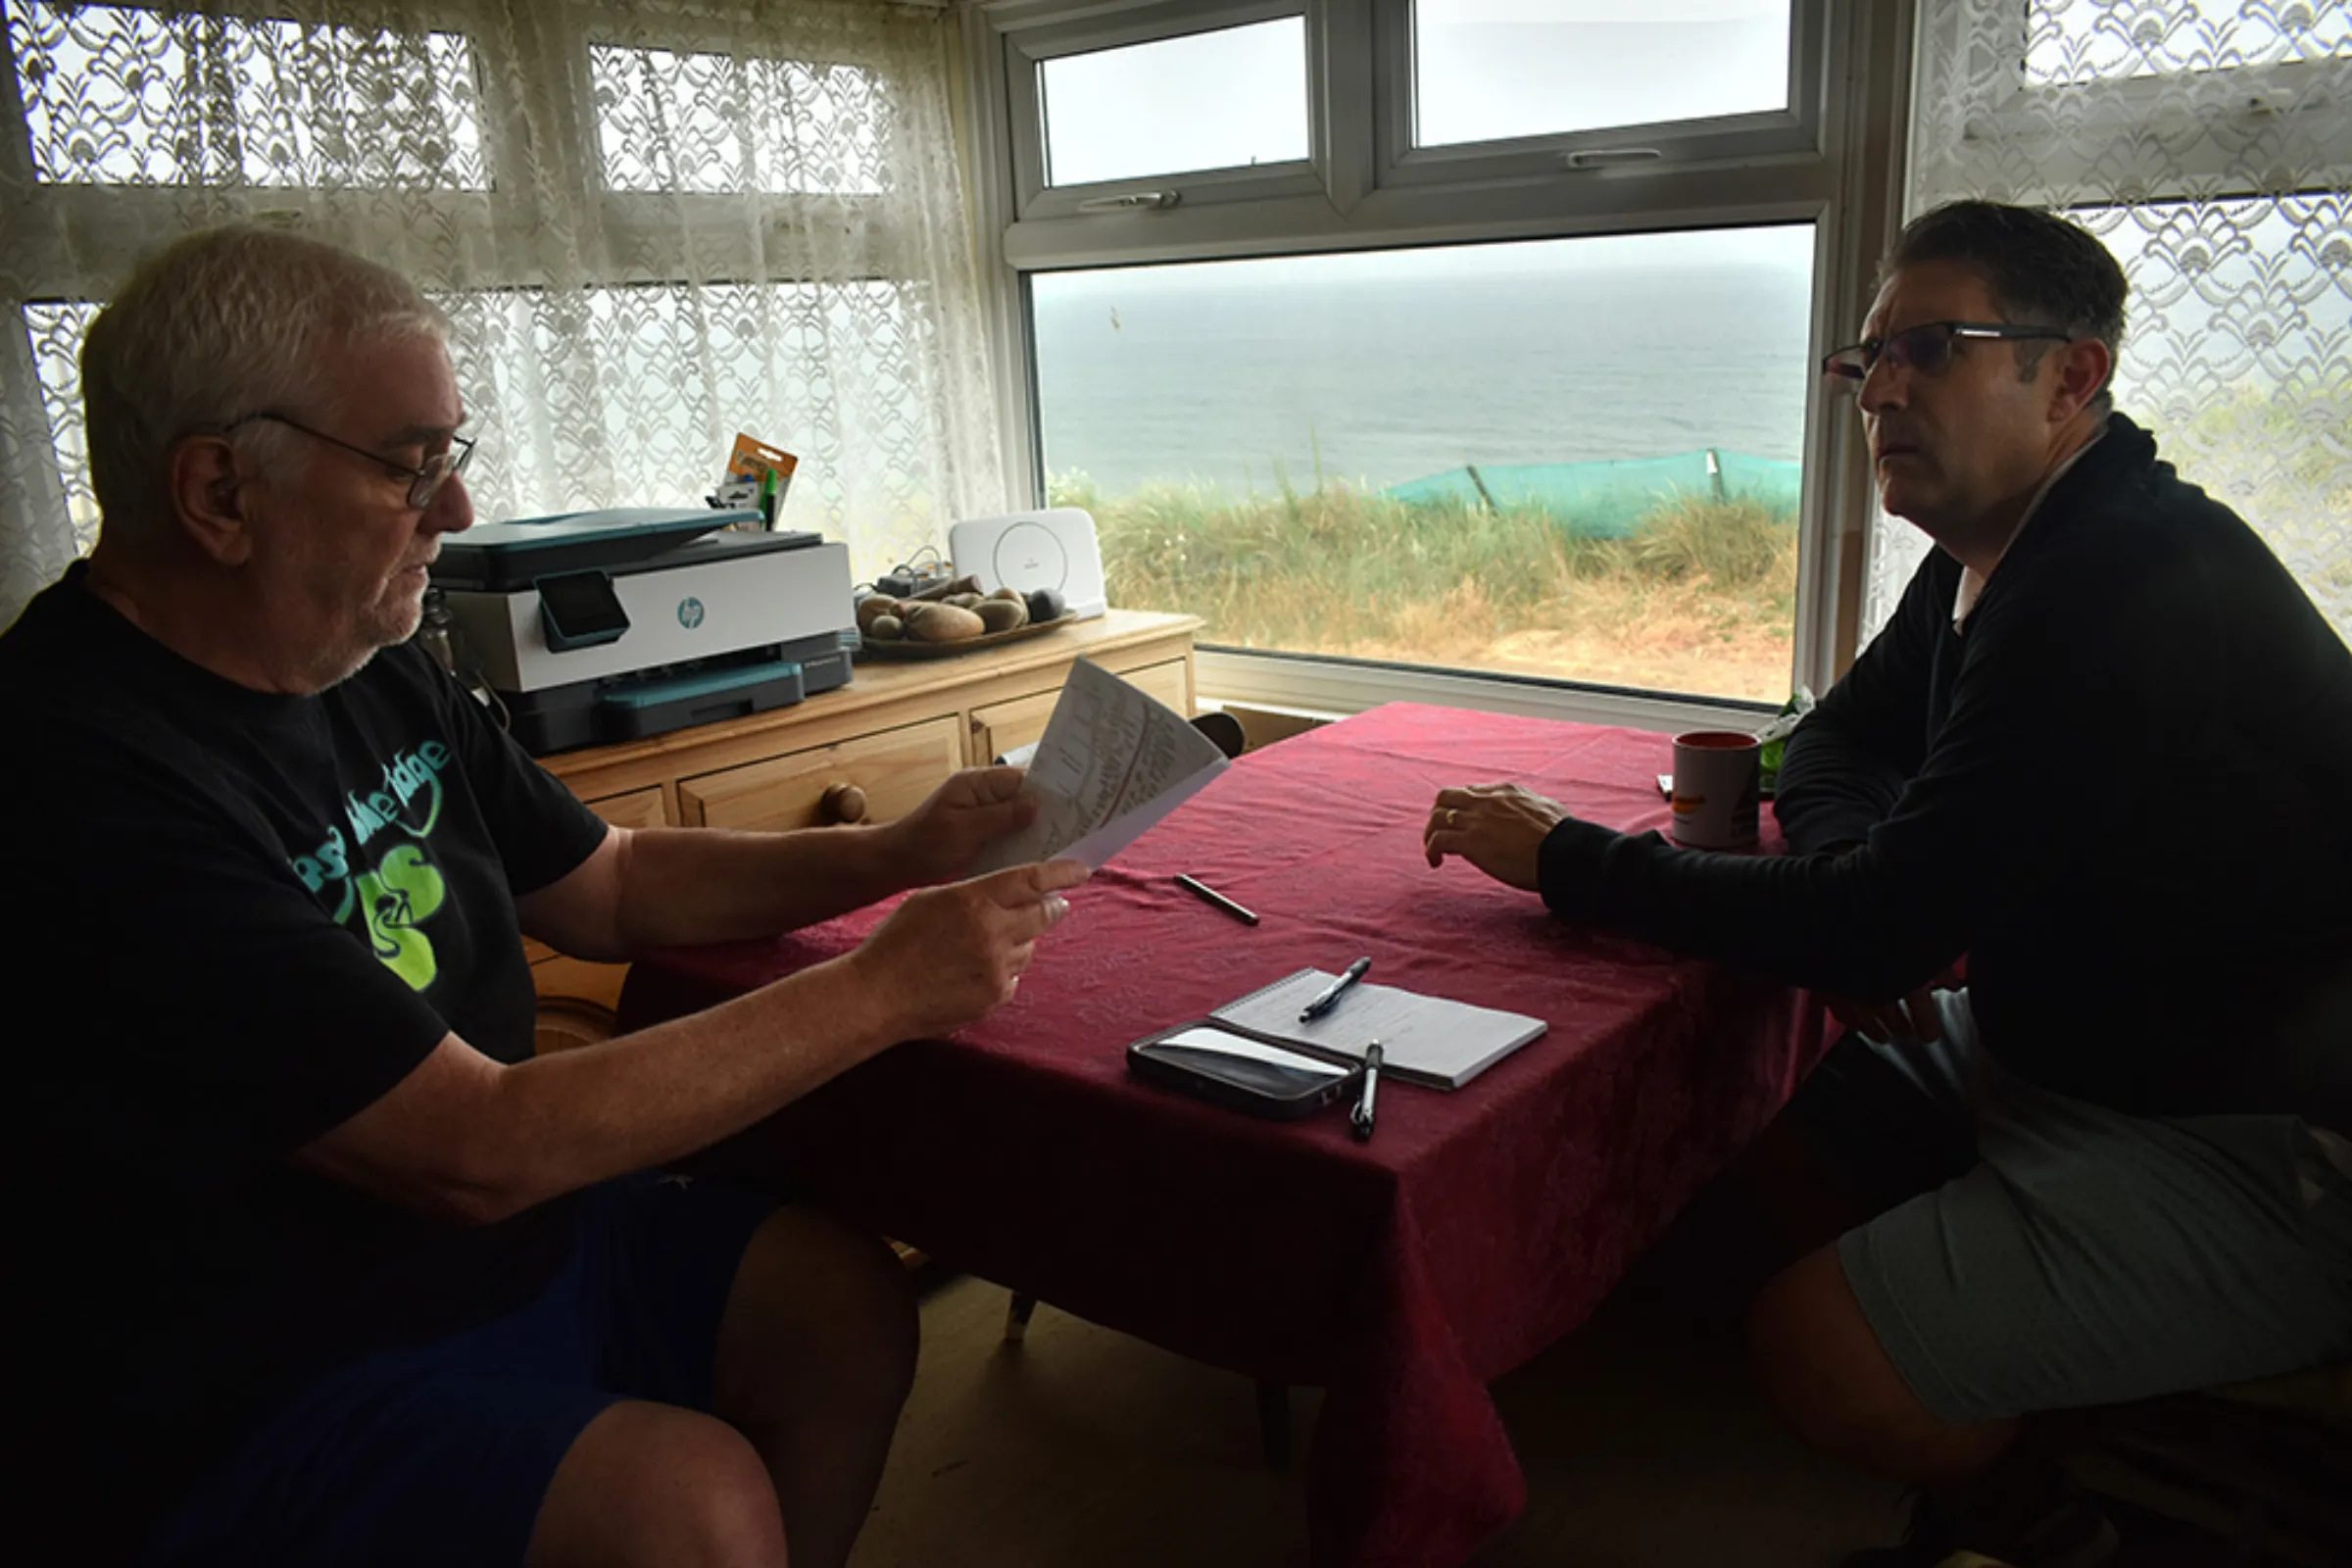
(1844, 924)
(680, 887)
(574, 1117)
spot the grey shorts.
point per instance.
(2083, 1256)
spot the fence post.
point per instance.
(1484, 494)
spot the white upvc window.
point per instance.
(1461, 349)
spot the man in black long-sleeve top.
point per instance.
(2103, 752)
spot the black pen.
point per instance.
(1333, 992)
(1210, 896)
(1359, 1115)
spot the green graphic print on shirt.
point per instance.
(401, 888)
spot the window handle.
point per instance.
(1609, 157)
(1133, 201)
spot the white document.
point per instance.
(1112, 762)
(1424, 1040)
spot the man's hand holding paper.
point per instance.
(944, 838)
(1112, 763)
(951, 956)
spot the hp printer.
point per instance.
(598, 626)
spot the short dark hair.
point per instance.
(2041, 268)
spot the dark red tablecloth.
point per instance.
(1402, 1274)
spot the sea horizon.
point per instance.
(1268, 377)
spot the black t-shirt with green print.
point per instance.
(242, 918)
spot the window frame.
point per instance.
(2270, 111)
(650, 219)
(1834, 159)
(2265, 106)
(109, 223)
(2195, 138)
(1027, 53)
(96, 228)
(73, 242)
(427, 16)
(1790, 131)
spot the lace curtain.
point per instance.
(2209, 144)
(651, 231)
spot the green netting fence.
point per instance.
(1607, 500)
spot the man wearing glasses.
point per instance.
(324, 1265)
(2103, 754)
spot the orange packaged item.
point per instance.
(768, 469)
(755, 460)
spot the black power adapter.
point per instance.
(908, 578)
(904, 582)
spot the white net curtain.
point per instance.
(652, 231)
(2209, 144)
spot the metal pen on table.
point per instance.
(1215, 899)
(1333, 992)
(1359, 1114)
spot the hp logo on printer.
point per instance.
(690, 612)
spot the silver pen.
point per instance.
(1333, 992)
(1359, 1115)
(1214, 900)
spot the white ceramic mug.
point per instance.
(1715, 789)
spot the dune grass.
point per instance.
(1697, 588)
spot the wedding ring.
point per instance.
(1453, 817)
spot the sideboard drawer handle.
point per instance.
(842, 803)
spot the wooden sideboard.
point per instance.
(869, 751)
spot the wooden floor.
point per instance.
(1640, 1441)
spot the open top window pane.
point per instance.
(1495, 70)
(1227, 99)
(1573, 458)
(2071, 42)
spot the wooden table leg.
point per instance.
(1273, 1398)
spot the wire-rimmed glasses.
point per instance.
(424, 478)
(1923, 349)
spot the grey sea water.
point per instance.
(1385, 369)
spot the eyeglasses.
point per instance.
(424, 479)
(1923, 349)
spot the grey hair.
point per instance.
(223, 324)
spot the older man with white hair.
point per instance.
(327, 1266)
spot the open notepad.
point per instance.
(1423, 1040)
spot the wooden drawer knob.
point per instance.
(842, 803)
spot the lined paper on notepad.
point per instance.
(1424, 1040)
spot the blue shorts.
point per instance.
(2052, 1253)
(443, 1452)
